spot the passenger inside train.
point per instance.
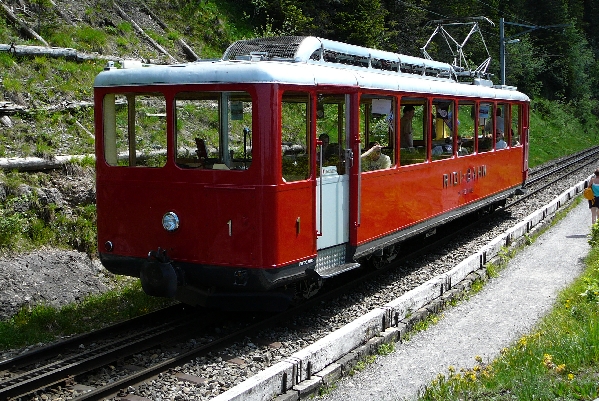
(405, 127)
(501, 143)
(374, 159)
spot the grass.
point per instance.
(555, 132)
(40, 83)
(382, 350)
(44, 323)
(557, 360)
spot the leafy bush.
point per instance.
(11, 228)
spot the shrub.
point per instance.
(12, 227)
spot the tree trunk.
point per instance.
(192, 56)
(143, 34)
(37, 163)
(22, 24)
(70, 54)
(9, 108)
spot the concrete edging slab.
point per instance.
(328, 355)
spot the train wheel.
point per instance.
(382, 258)
(377, 262)
(309, 288)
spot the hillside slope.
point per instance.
(45, 103)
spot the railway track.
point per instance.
(542, 178)
(67, 362)
(60, 362)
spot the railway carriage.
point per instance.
(244, 182)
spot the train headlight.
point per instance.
(170, 221)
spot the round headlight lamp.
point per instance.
(170, 221)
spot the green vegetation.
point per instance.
(362, 364)
(29, 220)
(555, 133)
(557, 360)
(44, 87)
(423, 325)
(382, 350)
(38, 132)
(44, 323)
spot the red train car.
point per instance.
(245, 181)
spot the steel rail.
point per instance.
(47, 352)
(64, 367)
(86, 362)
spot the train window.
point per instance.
(502, 114)
(486, 122)
(443, 129)
(413, 131)
(213, 130)
(468, 128)
(294, 131)
(377, 123)
(331, 130)
(134, 130)
(514, 134)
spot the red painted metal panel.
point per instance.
(294, 240)
(397, 198)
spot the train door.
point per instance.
(376, 185)
(332, 182)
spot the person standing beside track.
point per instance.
(594, 204)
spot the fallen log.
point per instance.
(56, 162)
(192, 56)
(64, 52)
(63, 15)
(38, 163)
(143, 34)
(9, 108)
(30, 32)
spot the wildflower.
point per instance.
(478, 359)
(548, 361)
(522, 342)
(560, 368)
(570, 376)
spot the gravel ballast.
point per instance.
(507, 308)
(296, 339)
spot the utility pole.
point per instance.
(503, 40)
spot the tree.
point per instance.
(523, 67)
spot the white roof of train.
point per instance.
(308, 65)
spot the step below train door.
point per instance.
(332, 184)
